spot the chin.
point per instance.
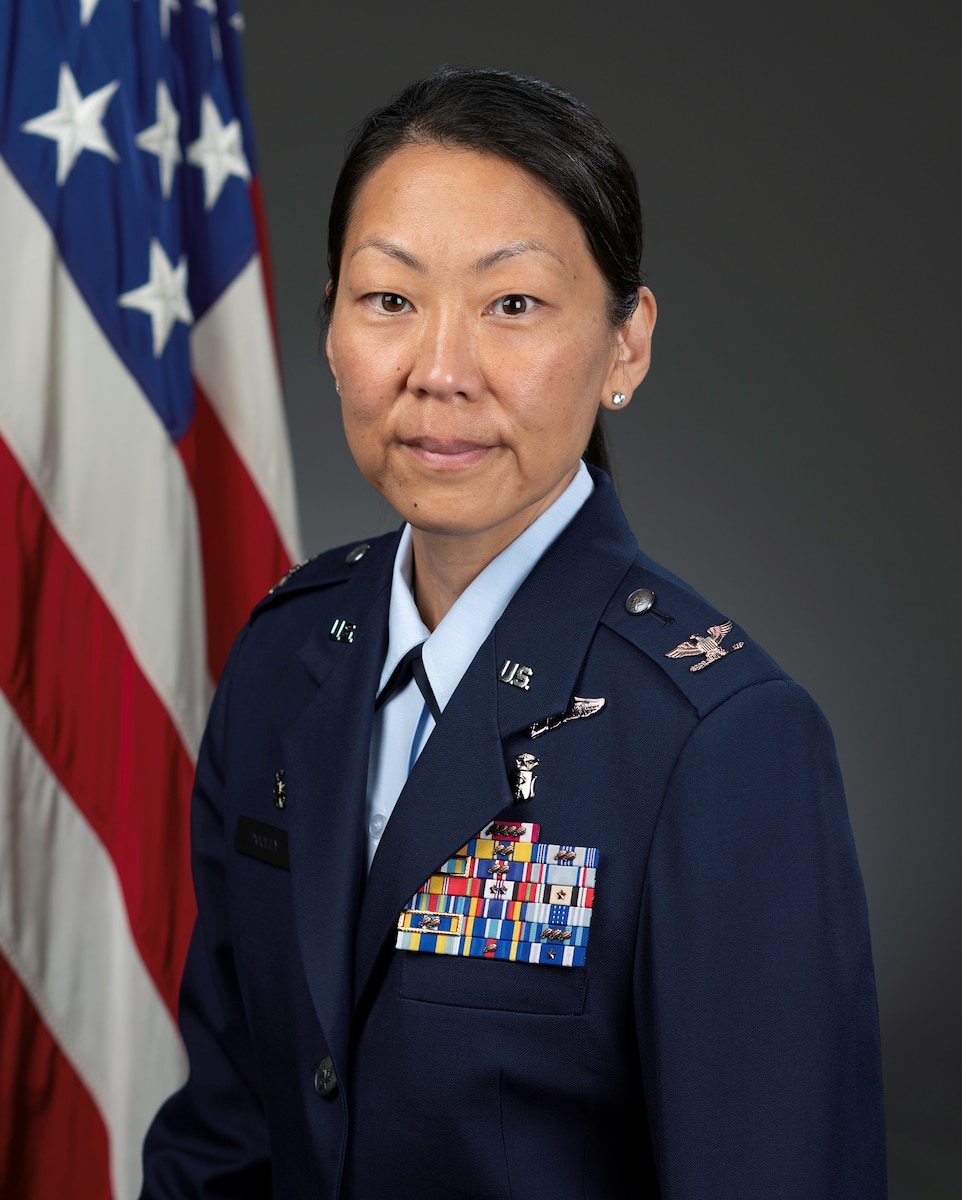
(445, 508)
(426, 520)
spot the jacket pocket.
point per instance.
(505, 986)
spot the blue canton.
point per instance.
(126, 126)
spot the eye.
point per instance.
(388, 302)
(514, 305)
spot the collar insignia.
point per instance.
(708, 644)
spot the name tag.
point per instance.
(266, 842)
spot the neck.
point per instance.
(444, 565)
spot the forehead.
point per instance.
(449, 196)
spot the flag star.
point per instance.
(166, 8)
(236, 22)
(161, 138)
(210, 7)
(163, 297)
(76, 123)
(87, 10)
(217, 152)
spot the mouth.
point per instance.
(447, 454)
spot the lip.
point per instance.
(447, 454)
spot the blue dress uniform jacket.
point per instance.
(720, 1039)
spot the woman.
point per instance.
(566, 903)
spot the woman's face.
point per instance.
(470, 342)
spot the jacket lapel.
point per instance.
(461, 780)
(326, 761)
(444, 802)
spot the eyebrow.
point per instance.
(392, 251)
(512, 250)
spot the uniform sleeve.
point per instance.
(757, 1016)
(210, 1138)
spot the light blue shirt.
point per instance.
(403, 724)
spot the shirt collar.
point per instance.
(450, 649)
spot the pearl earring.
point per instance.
(618, 398)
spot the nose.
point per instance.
(445, 363)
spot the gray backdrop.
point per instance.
(793, 452)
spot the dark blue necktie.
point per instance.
(410, 666)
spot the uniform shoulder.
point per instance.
(328, 569)
(707, 656)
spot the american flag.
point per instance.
(146, 502)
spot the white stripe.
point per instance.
(234, 361)
(102, 462)
(64, 930)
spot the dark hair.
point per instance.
(550, 134)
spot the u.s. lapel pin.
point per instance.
(523, 778)
(516, 675)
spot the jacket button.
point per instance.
(325, 1081)
(355, 555)
(640, 601)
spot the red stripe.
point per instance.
(53, 1141)
(264, 250)
(243, 556)
(76, 688)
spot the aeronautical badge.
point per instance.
(579, 708)
(708, 644)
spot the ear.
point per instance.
(633, 350)
(327, 351)
(327, 338)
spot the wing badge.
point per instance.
(709, 644)
(579, 708)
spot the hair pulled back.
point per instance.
(543, 130)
